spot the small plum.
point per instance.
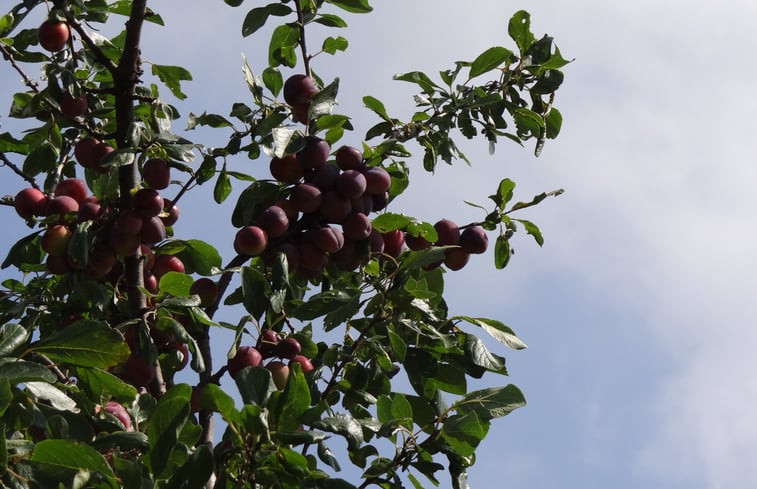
(53, 35)
(349, 158)
(299, 89)
(167, 263)
(30, 202)
(280, 373)
(448, 232)
(455, 258)
(246, 356)
(377, 180)
(55, 240)
(286, 169)
(119, 412)
(206, 288)
(288, 348)
(83, 151)
(315, 153)
(72, 107)
(148, 202)
(304, 361)
(306, 198)
(474, 240)
(351, 184)
(274, 221)
(73, 187)
(250, 241)
(156, 173)
(356, 226)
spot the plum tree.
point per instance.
(329, 293)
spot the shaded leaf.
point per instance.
(489, 60)
(492, 402)
(85, 343)
(172, 76)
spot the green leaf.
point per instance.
(195, 472)
(390, 221)
(489, 60)
(12, 337)
(492, 402)
(213, 398)
(257, 17)
(533, 230)
(255, 291)
(376, 106)
(51, 395)
(176, 284)
(165, 424)
(502, 252)
(321, 304)
(281, 50)
(101, 384)
(258, 195)
(222, 188)
(205, 119)
(548, 82)
(273, 80)
(553, 120)
(85, 343)
(255, 385)
(25, 250)
(20, 371)
(60, 459)
(420, 79)
(519, 29)
(464, 432)
(354, 6)
(499, 331)
(330, 20)
(479, 355)
(323, 102)
(172, 76)
(333, 44)
(200, 257)
(345, 425)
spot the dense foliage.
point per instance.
(346, 339)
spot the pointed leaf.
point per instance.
(85, 343)
(492, 402)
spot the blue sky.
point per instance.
(639, 310)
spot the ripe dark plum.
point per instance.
(250, 240)
(325, 178)
(315, 153)
(351, 184)
(305, 197)
(349, 158)
(334, 207)
(246, 356)
(30, 202)
(299, 89)
(448, 232)
(474, 240)
(153, 231)
(274, 221)
(286, 169)
(356, 226)
(156, 173)
(455, 258)
(147, 202)
(393, 242)
(377, 180)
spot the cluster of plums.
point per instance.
(324, 216)
(271, 346)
